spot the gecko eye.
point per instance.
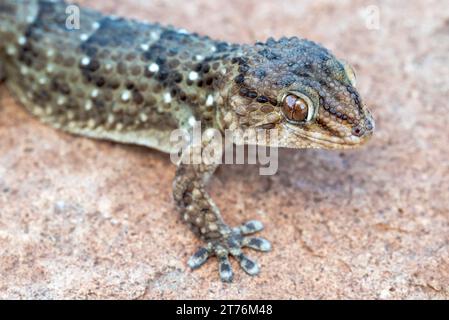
(297, 109)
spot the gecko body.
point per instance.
(134, 82)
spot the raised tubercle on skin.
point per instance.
(111, 77)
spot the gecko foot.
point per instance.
(231, 243)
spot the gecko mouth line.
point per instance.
(327, 141)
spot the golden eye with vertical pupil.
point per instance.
(297, 109)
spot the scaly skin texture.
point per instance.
(133, 82)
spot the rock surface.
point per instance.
(89, 219)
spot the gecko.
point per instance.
(135, 82)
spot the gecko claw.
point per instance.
(231, 243)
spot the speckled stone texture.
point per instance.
(88, 219)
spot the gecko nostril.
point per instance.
(358, 131)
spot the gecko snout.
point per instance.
(365, 129)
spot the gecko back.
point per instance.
(108, 78)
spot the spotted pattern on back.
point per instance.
(135, 82)
(112, 76)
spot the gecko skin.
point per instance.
(134, 82)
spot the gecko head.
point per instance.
(300, 89)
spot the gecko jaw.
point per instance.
(320, 140)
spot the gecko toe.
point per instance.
(256, 243)
(250, 227)
(251, 267)
(225, 269)
(199, 258)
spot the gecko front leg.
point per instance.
(200, 212)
